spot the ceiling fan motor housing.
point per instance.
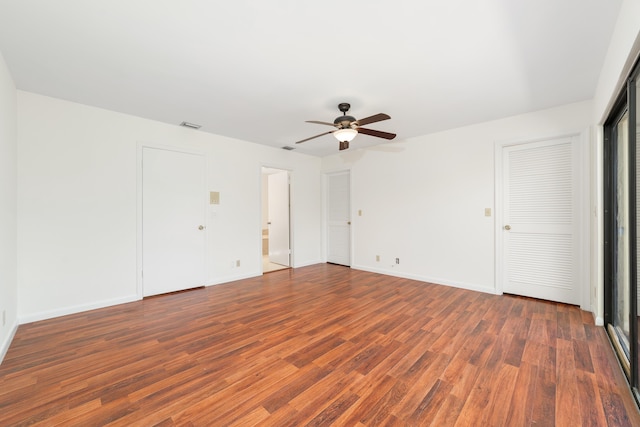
(343, 122)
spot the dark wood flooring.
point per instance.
(320, 345)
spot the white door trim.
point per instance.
(581, 163)
(141, 145)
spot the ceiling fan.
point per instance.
(347, 127)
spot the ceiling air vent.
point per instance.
(190, 125)
(288, 148)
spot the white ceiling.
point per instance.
(256, 70)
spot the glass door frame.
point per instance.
(626, 102)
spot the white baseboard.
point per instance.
(34, 317)
(599, 321)
(437, 281)
(233, 278)
(43, 315)
(7, 342)
(307, 263)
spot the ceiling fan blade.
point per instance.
(317, 136)
(319, 123)
(378, 133)
(372, 119)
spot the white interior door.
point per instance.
(339, 218)
(539, 227)
(278, 207)
(173, 220)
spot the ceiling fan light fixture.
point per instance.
(345, 134)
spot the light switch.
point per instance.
(487, 211)
(214, 198)
(359, 212)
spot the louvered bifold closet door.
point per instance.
(539, 231)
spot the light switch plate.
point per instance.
(487, 211)
(214, 197)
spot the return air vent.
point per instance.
(190, 125)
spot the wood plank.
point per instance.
(369, 399)
(431, 403)
(525, 392)
(567, 403)
(544, 401)
(319, 345)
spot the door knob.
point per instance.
(201, 227)
(507, 227)
(348, 222)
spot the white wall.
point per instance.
(8, 203)
(423, 199)
(77, 201)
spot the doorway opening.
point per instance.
(275, 229)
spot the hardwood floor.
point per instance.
(320, 345)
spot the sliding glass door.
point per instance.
(634, 295)
(622, 236)
(620, 304)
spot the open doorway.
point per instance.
(276, 248)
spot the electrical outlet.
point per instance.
(238, 263)
(377, 258)
(397, 260)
